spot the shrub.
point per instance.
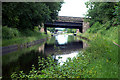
(8, 33)
(28, 33)
(94, 29)
(100, 28)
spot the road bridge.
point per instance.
(68, 22)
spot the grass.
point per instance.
(103, 55)
(22, 40)
(99, 60)
(11, 36)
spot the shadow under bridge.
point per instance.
(58, 24)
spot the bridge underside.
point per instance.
(63, 25)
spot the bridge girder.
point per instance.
(64, 25)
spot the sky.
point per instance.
(74, 8)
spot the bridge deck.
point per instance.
(64, 24)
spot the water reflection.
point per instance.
(41, 48)
(65, 56)
(62, 39)
(24, 63)
(64, 46)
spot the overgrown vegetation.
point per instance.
(26, 15)
(103, 12)
(21, 20)
(99, 60)
(13, 36)
(70, 30)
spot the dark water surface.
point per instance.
(58, 46)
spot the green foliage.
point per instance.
(99, 60)
(22, 19)
(54, 8)
(9, 33)
(94, 28)
(28, 33)
(36, 29)
(51, 29)
(51, 41)
(116, 13)
(102, 12)
(99, 28)
(13, 36)
(71, 30)
(26, 15)
(35, 73)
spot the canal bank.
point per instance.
(57, 46)
(20, 58)
(12, 48)
(99, 60)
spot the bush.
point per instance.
(9, 33)
(28, 33)
(100, 28)
(95, 28)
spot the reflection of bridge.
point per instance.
(66, 48)
(68, 22)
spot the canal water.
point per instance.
(64, 46)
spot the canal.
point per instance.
(64, 46)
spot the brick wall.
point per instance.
(85, 26)
(76, 20)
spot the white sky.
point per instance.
(75, 8)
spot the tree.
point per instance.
(71, 30)
(26, 15)
(117, 12)
(51, 29)
(101, 12)
(54, 8)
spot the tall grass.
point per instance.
(12, 36)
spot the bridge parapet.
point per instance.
(70, 19)
(69, 22)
